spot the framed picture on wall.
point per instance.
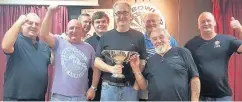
(48, 2)
(109, 12)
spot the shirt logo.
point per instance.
(74, 62)
(216, 44)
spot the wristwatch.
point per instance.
(94, 88)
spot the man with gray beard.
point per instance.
(171, 72)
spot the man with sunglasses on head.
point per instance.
(125, 39)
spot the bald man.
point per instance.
(211, 53)
(73, 57)
(26, 76)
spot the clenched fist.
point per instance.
(52, 7)
(22, 19)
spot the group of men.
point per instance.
(169, 73)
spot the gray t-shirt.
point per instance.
(71, 67)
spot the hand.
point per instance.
(135, 63)
(90, 94)
(52, 7)
(117, 69)
(235, 24)
(22, 19)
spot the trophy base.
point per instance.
(119, 76)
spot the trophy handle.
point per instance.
(118, 75)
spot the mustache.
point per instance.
(34, 29)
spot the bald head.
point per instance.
(33, 17)
(206, 14)
(74, 22)
(74, 31)
(206, 23)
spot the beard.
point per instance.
(161, 49)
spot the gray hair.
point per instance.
(163, 31)
(121, 2)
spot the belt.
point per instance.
(117, 84)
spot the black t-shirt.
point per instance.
(93, 40)
(26, 75)
(169, 75)
(212, 57)
(131, 40)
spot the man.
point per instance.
(151, 21)
(121, 38)
(26, 76)
(100, 22)
(170, 72)
(211, 53)
(85, 20)
(72, 60)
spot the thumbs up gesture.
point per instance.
(235, 24)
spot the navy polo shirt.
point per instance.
(26, 75)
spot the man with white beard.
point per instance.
(170, 72)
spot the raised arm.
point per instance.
(235, 24)
(46, 27)
(135, 65)
(11, 35)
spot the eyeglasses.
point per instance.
(124, 13)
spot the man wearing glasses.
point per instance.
(121, 38)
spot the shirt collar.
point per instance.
(28, 39)
(146, 36)
(96, 36)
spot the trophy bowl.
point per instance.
(118, 57)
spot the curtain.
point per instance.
(223, 10)
(10, 13)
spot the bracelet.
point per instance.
(94, 88)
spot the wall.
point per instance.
(189, 12)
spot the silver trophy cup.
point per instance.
(118, 57)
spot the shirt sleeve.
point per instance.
(173, 42)
(142, 50)
(92, 56)
(234, 44)
(57, 39)
(190, 64)
(99, 48)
